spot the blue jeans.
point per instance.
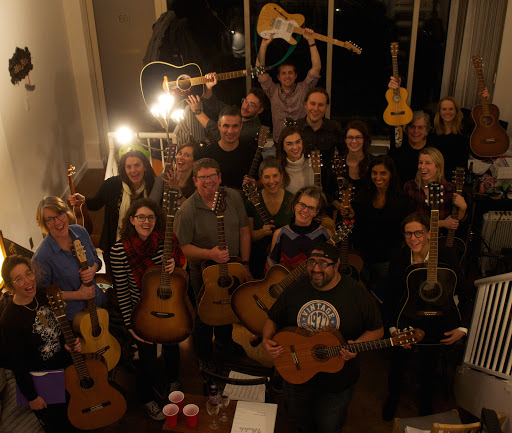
(312, 410)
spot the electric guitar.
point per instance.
(162, 314)
(488, 139)
(397, 112)
(252, 300)
(274, 20)
(181, 81)
(94, 403)
(93, 323)
(80, 210)
(220, 280)
(262, 139)
(429, 302)
(306, 353)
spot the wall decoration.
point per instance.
(20, 64)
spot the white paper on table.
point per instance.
(415, 430)
(252, 417)
(244, 392)
(479, 167)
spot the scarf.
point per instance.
(125, 204)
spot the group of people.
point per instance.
(386, 202)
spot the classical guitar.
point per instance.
(252, 194)
(80, 210)
(219, 279)
(315, 159)
(450, 241)
(397, 112)
(93, 323)
(94, 402)
(306, 353)
(163, 313)
(429, 302)
(180, 81)
(274, 20)
(252, 300)
(488, 139)
(262, 139)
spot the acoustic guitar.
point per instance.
(306, 353)
(262, 140)
(252, 195)
(315, 159)
(397, 112)
(93, 323)
(181, 81)
(220, 280)
(488, 139)
(274, 20)
(94, 403)
(163, 312)
(429, 302)
(80, 210)
(251, 302)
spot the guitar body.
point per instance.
(459, 246)
(163, 315)
(430, 306)
(93, 403)
(104, 344)
(252, 300)
(488, 139)
(355, 264)
(298, 344)
(397, 112)
(83, 218)
(214, 307)
(274, 20)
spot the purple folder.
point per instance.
(48, 384)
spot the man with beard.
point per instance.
(324, 298)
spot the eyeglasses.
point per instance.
(141, 218)
(250, 104)
(420, 128)
(303, 206)
(322, 264)
(29, 275)
(352, 138)
(211, 177)
(417, 234)
(51, 220)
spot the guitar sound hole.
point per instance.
(430, 292)
(486, 120)
(225, 281)
(164, 294)
(87, 383)
(320, 352)
(183, 82)
(272, 292)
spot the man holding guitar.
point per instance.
(324, 299)
(196, 229)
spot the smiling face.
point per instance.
(135, 170)
(23, 282)
(287, 76)
(143, 228)
(416, 244)
(292, 146)
(381, 177)
(306, 209)
(427, 168)
(229, 128)
(251, 107)
(271, 180)
(321, 277)
(56, 223)
(184, 159)
(206, 186)
(316, 106)
(447, 111)
(417, 132)
(354, 140)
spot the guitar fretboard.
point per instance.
(433, 249)
(195, 81)
(365, 346)
(459, 182)
(221, 235)
(165, 277)
(481, 87)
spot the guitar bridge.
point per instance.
(430, 313)
(260, 304)
(162, 314)
(97, 407)
(222, 302)
(294, 358)
(397, 113)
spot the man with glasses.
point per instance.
(196, 228)
(324, 299)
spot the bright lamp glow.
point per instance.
(166, 102)
(124, 135)
(178, 115)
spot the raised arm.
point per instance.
(316, 63)
(260, 59)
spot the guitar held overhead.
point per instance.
(274, 20)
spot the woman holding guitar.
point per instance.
(275, 202)
(141, 247)
(31, 332)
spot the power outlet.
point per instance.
(31, 242)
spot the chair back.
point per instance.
(454, 428)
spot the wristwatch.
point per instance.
(197, 112)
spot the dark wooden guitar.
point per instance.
(80, 210)
(252, 195)
(397, 112)
(262, 139)
(315, 159)
(252, 301)
(220, 280)
(429, 302)
(306, 353)
(163, 314)
(93, 323)
(94, 403)
(488, 139)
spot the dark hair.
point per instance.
(230, 110)
(286, 64)
(417, 217)
(362, 127)
(149, 174)
(317, 90)
(194, 146)
(260, 94)
(330, 251)
(188, 187)
(205, 163)
(270, 162)
(9, 264)
(281, 154)
(311, 191)
(394, 190)
(128, 230)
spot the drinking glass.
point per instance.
(212, 406)
(224, 403)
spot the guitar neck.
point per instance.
(364, 346)
(223, 76)
(348, 46)
(433, 249)
(459, 183)
(165, 278)
(221, 235)
(481, 87)
(277, 289)
(394, 58)
(262, 212)
(254, 166)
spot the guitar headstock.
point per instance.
(80, 251)
(394, 49)
(352, 47)
(342, 231)
(54, 295)
(339, 166)
(346, 194)
(289, 122)
(251, 192)
(459, 176)
(219, 202)
(262, 135)
(170, 200)
(254, 71)
(71, 170)
(435, 195)
(316, 161)
(408, 336)
(170, 156)
(477, 62)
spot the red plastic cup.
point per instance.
(177, 398)
(191, 412)
(171, 414)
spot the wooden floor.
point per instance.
(364, 411)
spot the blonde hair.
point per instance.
(56, 204)
(438, 159)
(439, 126)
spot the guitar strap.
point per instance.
(291, 48)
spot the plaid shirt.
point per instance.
(419, 199)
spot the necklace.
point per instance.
(39, 314)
